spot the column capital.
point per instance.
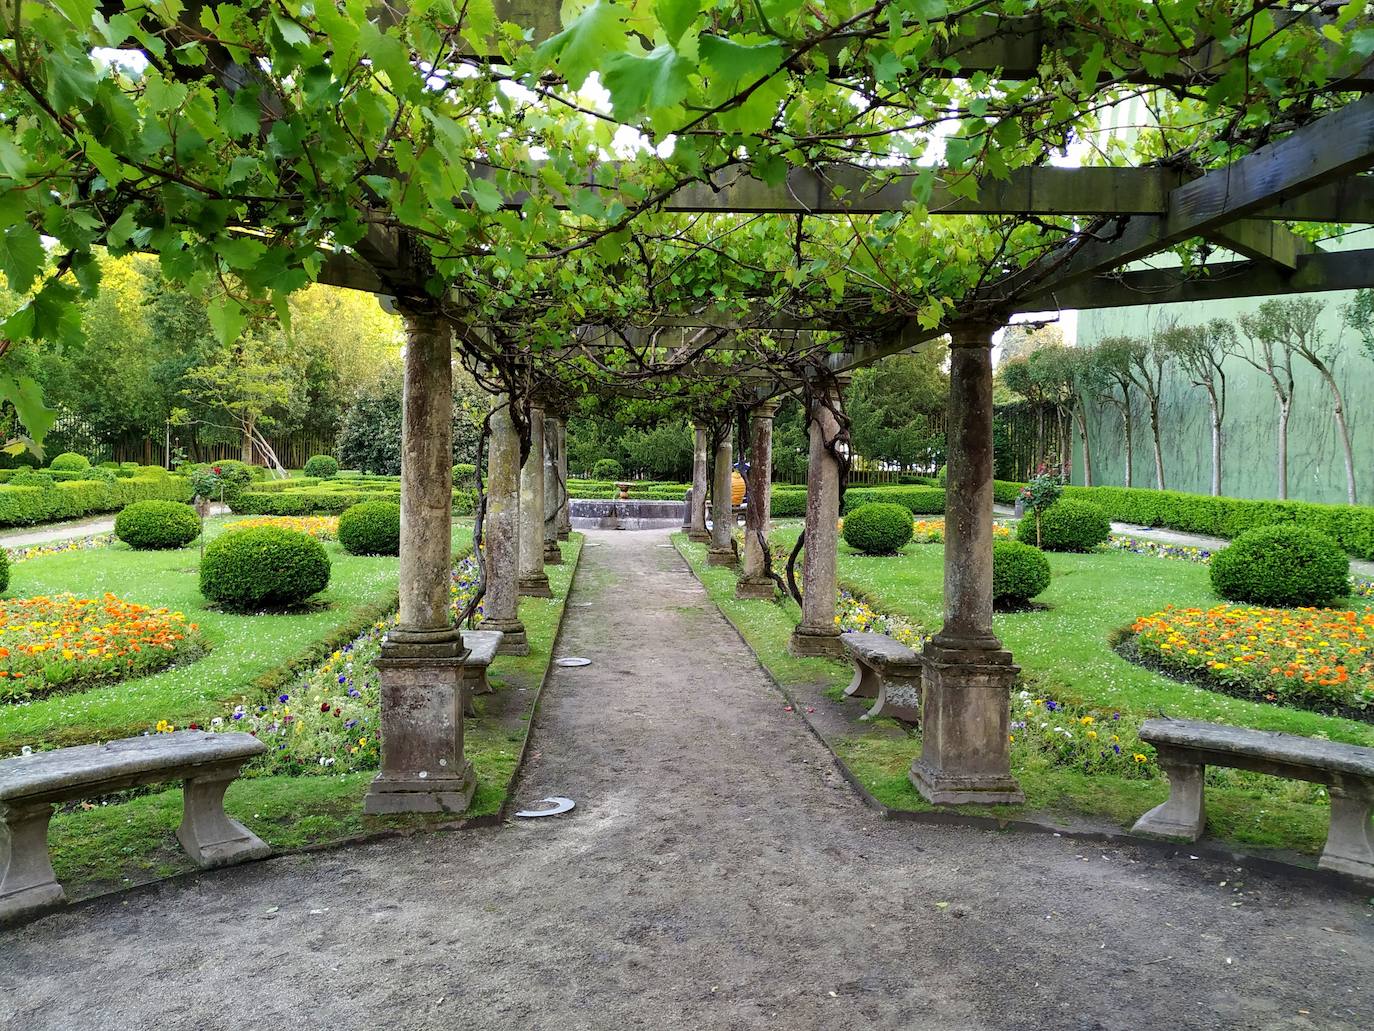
(765, 409)
(973, 332)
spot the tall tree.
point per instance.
(1270, 335)
(1114, 358)
(1201, 352)
(893, 405)
(1148, 362)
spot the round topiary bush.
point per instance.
(149, 525)
(1284, 566)
(70, 462)
(607, 469)
(371, 528)
(322, 467)
(942, 477)
(1067, 525)
(878, 528)
(263, 566)
(464, 474)
(1019, 572)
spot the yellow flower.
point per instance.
(1138, 757)
(1011, 737)
(1092, 734)
(362, 742)
(1085, 720)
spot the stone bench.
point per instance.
(31, 785)
(887, 671)
(482, 646)
(1187, 747)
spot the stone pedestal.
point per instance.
(696, 516)
(817, 633)
(968, 676)
(754, 583)
(534, 582)
(722, 549)
(501, 532)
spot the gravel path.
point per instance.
(717, 873)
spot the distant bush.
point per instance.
(1067, 525)
(321, 467)
(607, 469)
(371, 528)
(464, 474)
(1284, 566)
(787, 503)
(4, 571)
(70, 461)
(878, 528)
(226, 480)
(263, 566)
(151, 525)
(32, 478)
(916, 500)
(1019, 572)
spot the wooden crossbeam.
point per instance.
(1263, 241)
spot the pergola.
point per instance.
(1122, 215)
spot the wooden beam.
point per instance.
(1262, 241)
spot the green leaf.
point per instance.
(735, 66)
(676, 17)
(27, 397)
(227, 319)
(639, 84)
(587, 41)
(21, 256)
(291, 33)
(485, 193)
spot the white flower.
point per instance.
(217, 722)
(26, 750)
(1024, 695)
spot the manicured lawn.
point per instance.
(1065, 653)
(132, 842)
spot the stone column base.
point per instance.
(564, 535)
(535, 587)
(699, 536)
(808, 642)
(553, 556)
(755, 589)
(721, 558)
(423, 766)
(514, 640)
(965, 749)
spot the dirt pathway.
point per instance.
(715, 874)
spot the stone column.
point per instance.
(965, 751)
(697, 526)
(534, 583)
(753, 582)
(817, 633)
(722, 550)
(565, 508)
(552, 555)
(501, 532)
(420, 667)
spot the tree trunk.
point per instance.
(1065, 443)
(1216, 444)
(1344, 428)
(1159, 452)
(248, 440)
(1087, 451)
(1126, 430)
(1284, 408)
(1039, 437)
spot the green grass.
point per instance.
(117, 845)
(248, 653)
(1065, 652)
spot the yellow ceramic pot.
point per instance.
(736, 489)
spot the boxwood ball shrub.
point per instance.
(1281, 566)
(371, 528)
(263, 566)
(878, 528)
(321, 467)
(464, 473)
(4, 571)
(1067, 525)
(70, 461)
(607, 469)
(151, 525)
(1019, 572)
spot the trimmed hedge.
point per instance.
(878, 528)
(70, 461)
(1019, 572)
(321, 467)
(787, 503)
(1283, 566)
(371, 528)
(1067, 525)
(4, 571)
(72, 499)
(263, 566)
(331, 499)
(916, 500)
(155, 525)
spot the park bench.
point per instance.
(1186, 747)
(31, 785)
(482, 646)
(886, 671)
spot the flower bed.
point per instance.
(325, 528)
(98, 540)
(932, 531)
(61, 641)
(1157, 549)
(855, 614)
(1079, 738)
(1319, 659)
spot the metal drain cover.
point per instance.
(572, 660)
(557, 806)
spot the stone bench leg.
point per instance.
(27, 881)
(475, 682)
(1183, 815)
(866, 682)
(899, 698)
(1350, 841)
(207, 833)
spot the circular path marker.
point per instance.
(556, 805)
(572, 660)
